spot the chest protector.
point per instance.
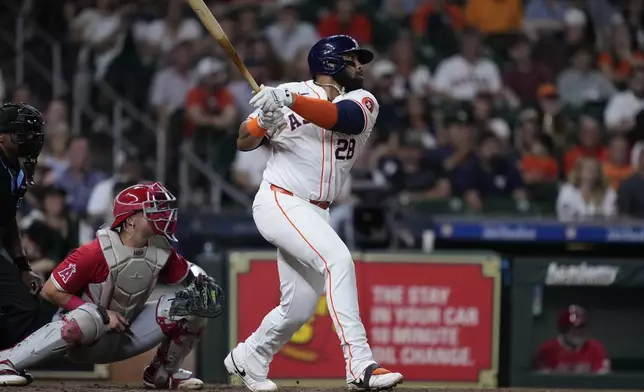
(133, 273)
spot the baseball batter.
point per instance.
(102, 288)
(315, 130)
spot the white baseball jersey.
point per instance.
(312, 162)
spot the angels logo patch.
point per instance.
(67, 272)
(368, 103)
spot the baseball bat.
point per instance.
(211, 24)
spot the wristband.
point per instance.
(22, 263)
(255, 129)
(73, 303)
(103, 312)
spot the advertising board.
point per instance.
(611, 290)
(433, 317)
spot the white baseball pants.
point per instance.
(310, 258)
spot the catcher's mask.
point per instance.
(158, 205)
(24, 125)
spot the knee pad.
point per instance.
(84, 324)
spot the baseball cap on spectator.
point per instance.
(575, 17)
(547, 90)
(208, 66)
(383, 68)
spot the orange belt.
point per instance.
(322, 204)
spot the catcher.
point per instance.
(102, 288)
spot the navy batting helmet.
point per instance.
(325, 57)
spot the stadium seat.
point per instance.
(436, 207)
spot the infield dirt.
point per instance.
(57, 386)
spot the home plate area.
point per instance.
(57, 386)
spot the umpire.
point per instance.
(21, 136)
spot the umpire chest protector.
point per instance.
(133, 273)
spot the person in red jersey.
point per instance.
(572, 351)
(102, 289)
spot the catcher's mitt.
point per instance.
(202, 298)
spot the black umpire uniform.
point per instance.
(21, 136)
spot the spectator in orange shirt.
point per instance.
(538, 165)
(617, 63)
(589, 143)
(494, 16)
(209, 105)
(345, 20)
(618, 166)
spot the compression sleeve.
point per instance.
(345, 116)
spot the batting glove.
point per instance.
(271, 98)
(273, 121)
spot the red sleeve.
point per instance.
(195, 97)
(83, 266)
(175, 270)
(600, 362)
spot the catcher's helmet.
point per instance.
(154, 200)
(325, 57)
(573, 316)
(24, 124)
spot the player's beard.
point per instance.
(349, 82)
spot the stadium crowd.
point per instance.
(506, 106)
